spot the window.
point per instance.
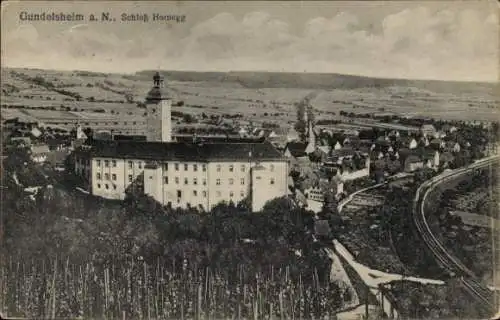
(165, 180)
(271, 167)
(217, 182)
(195, 167)
(98, 186)
(130, 164)
(165, 166)
(272, 180)
(186, 167)
(176, 180)
(218, 168)
(204, 182)
(231, 181)
(113, 163)
(107, 186)
(113, 176)
(204, 167)
(242, 168)
(242, 194)
(231, 168)
(114, 187)
(242, 181)
(195, 181)
(176, 166)
(129, 178)
(98, 176)
(195, 193)
(150, 177)
(231, 194)
(140, 164)
(179, 193)
(185, 180)
(106, 163)
(106, 176)
(204, 194)
(218, 193)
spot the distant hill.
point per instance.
(323, 81)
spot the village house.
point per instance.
(292, 135)
(428, 130)
(39, 152)
(437, 144)
(394, 134)
(315, 198)
(348, 164)
(408, 142)
(423, 142)
(413, 163)
(446, 128)
(446, 159)
(431, 158)
(452, 146)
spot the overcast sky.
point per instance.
(417, 40)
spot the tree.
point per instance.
(330, 205)
(129, 97)
(316, 156)
(188, 118)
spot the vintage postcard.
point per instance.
(203, 160)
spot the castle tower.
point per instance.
(158, 109)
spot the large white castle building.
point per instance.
(182, 174)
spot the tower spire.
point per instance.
(311, 132)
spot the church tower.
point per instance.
(158, 109)
(311, 145)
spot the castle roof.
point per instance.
(158, 91)
(183, 151)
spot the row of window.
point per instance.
(106, 186)
(177, 166)
(231, 181)
(186, 181)
(106, 163)
(179, 193)
(186, 167)
(106, 176)
(84, 161)
(195, 181)
(204, 193)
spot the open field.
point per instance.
(252, 94)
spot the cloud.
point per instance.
(413, 43)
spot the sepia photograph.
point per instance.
(249, 160)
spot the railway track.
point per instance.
(448, 261)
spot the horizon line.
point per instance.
(256, 71)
